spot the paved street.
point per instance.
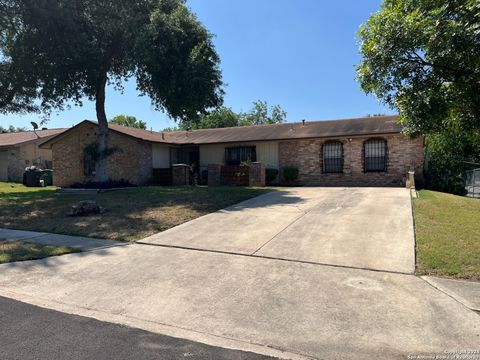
(30, 332)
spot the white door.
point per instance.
(3, 165)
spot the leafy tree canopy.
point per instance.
(219, 118)
(127, 120)
(11, 129)
(260, 114)
(422, 57)
(57, 52)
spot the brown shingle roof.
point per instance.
(311, 129)
(16, 138)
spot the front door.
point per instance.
(194, 162)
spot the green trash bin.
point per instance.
(32, 177)
(47, 177)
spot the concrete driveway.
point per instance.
(370, 228)
(222, 295)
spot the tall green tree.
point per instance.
(129, 121)
(422, 57)
(57, 52)
(11, 129)
(218, 118)
(261, 114)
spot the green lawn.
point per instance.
(448, 235)
(20, 251)
(131, 214)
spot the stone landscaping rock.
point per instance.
(85, 208)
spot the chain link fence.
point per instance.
(472, 183)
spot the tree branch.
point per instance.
(417, 59)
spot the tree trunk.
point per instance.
(101, 174)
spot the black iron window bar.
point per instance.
(333, 157)
(375, 152)
(236, 155)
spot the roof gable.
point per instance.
(22, 137)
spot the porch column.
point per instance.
(256, 174)
(180, 175)
(214, 173)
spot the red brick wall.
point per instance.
(306, 155)
(180, 175)
(256, 174)
(235, 175)
(214, 174)
(133, 162)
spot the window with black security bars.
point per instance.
(375, 155)
(333, 157)
(237, 155)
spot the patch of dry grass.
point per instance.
(131, 214)
(20, 251)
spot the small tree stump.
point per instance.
(85, 208)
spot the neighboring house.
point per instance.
(363, 151)
(20, 149)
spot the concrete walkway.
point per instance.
(367, 228)
(465, 292)
(76, 242)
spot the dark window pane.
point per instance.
(375, 155)
(333, 157)
(88, 165)
(236, 155)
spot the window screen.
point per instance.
(236, 155)
(333, 157)
(375, 152)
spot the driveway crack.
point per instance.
(281, 231)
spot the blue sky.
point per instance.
(299, 54)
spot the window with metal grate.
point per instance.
(333, 157)
(238, 154)
(375, 155)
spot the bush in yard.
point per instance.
(447, 154)
(270, 175)
(290, 174)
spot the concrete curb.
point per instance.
(458, 290)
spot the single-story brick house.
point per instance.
(368, 151)
(21, 149)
